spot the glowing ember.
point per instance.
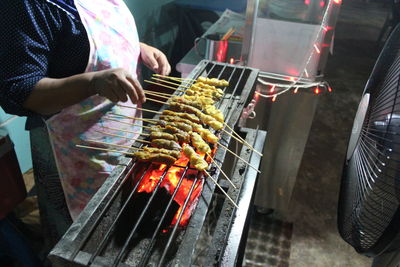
(170, 182)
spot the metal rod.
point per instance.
(96, 222)
(234, 90)
(172, 236)
(122, 252)
(108, 234)
(145, 258)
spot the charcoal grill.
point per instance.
(107, 234)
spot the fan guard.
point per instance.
(369, 203)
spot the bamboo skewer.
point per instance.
(125, 131)
(230, 134)
(105, 149)
(159, 93)
(242, 140)
(139, 140)
(228, 34)
(155, 100)
(110, 144)
(234, 137)
(128, 123)
(135, 118)
(154, 94)
(223, 173)
(222, 190)
(144, 109)
(174, 78)
(166, 86)
(171, 83)
(236, 155)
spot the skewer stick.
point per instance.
(234, 137)
(223, 191)
(166, 86)
(159, 93)
(220, 169)
(233, 153)
(128, 123)
(243, 141)
(172, 83)
(144, 109)
(154, 94)
(125, 131)
(155, 100)
(110, 144)
(106, 149)
(139, 140)
(134, 118)
(174, 78)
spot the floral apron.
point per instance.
(113, 43)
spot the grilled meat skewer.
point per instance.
(155, 157)
(167, 144)
(213, 81)
(195, 159)
(199, 143)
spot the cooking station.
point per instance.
(122, 226)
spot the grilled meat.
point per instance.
(167, 144)
(195, 159)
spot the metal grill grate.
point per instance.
(91, 239)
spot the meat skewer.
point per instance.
(167, 144)
(204, 133)
(160, 158)
(186, 116)
(206, 119)
(213, 81)
(195, 159)
(172, 153)
(199, 143)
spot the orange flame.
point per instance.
(170, 182)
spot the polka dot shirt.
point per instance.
(38, 39)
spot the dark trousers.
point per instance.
(14, 245)
(54, 214)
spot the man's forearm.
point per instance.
(52, 95)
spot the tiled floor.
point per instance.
(268, 243)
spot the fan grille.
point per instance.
(369, 197)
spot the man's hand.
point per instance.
(154, 59)
(117, 85)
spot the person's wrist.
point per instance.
(91, 88)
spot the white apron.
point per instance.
(113, 43)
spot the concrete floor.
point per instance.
(315, 239)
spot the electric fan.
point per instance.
(369, 200)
